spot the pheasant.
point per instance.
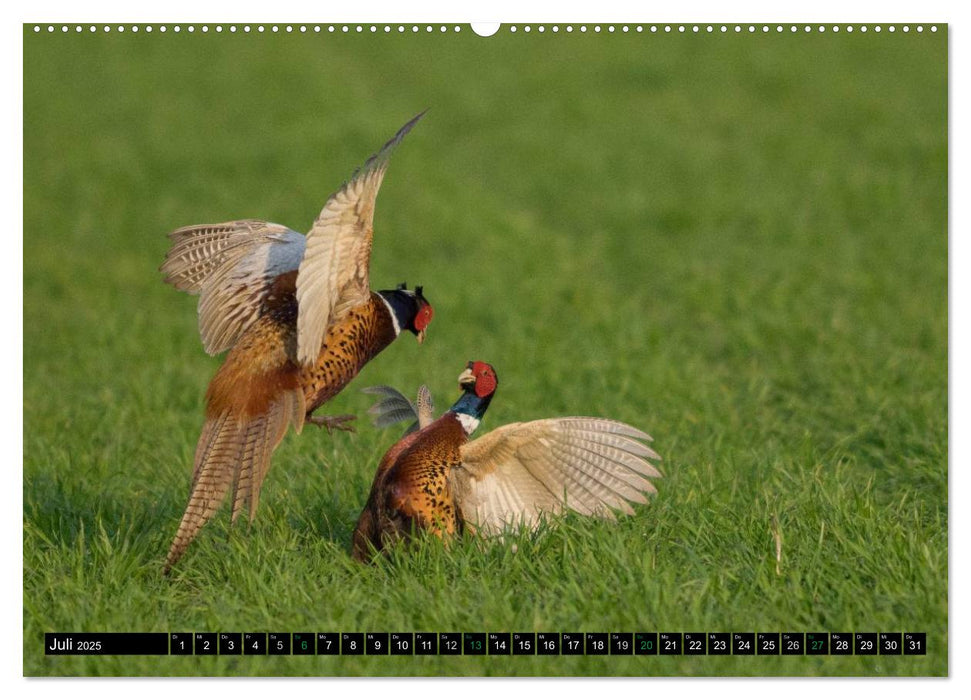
(299, 320)
(435, 479)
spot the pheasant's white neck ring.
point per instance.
(469, 423)
(394, 316)
(469, 410)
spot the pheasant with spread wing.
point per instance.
(299, 320)
(435, 479)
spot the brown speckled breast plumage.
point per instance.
(348, 345)
(411, 489)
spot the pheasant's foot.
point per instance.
(334, 422)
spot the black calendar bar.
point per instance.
(489, 644)
(106, 643)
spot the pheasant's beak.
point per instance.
(466, 379)
(421, 336)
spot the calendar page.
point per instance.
(527, 349)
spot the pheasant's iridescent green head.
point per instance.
(423, 316)
(479, 378)
(411, 309)
(478, 383)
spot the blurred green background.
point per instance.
(737, 242)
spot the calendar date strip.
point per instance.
(486, 643)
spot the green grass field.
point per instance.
(735, 242)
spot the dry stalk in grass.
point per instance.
(777, 536)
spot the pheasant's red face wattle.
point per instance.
(485, 379)
(424, 317)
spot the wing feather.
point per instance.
(597, 476)
(231, 266)
(333, 275)
(396, 408)
(393, 408)
(425, 406)
(522, 471)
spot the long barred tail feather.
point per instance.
(215, 471)
(232, 453)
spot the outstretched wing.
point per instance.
(396, 408)
(231, 266)
(519, 472)
(334, 273)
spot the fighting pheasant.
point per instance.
(435, 479)
(299, 320)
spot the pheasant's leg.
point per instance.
(334, 422)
